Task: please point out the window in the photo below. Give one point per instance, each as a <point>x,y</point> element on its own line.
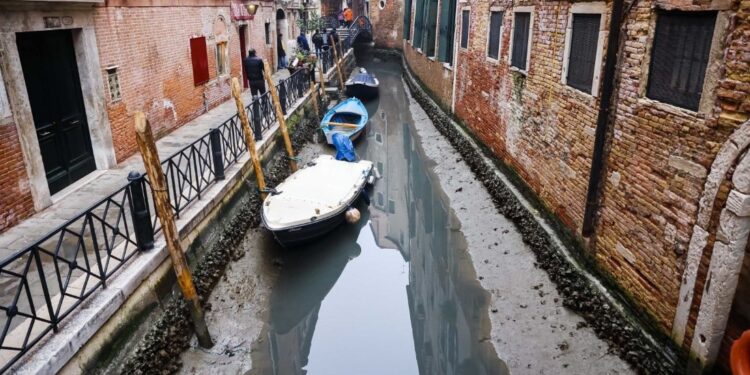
<point>199,56</point>
<point>584,45</point>
<point>418,18</point>
<point>520,44</point>
<point>222,66</point>
<point>428,45</point>
<point>407,19</point>
<point>680,56</point>
<point>465,29</point>
<point>4,106</point>
<point>447,30</point>
<point>496,26</point>
<point>113,82</point>
<point>268,33</point>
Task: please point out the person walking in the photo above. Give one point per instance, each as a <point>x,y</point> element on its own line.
<point>317,40</point>
<point>254,70</point>
<point>281,52</point>
<point>302,42</point>
<point>348,16</point>
<point>333,39</point>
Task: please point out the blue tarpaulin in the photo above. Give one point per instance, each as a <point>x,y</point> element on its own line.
<point>344,147</point>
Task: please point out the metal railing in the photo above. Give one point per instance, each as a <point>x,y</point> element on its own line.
<point>43,283</point>
<point>360,24</point>
<point>293,88</point>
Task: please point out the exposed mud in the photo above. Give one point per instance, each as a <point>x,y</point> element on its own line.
<point>624,338</point>
<point>159,351</point>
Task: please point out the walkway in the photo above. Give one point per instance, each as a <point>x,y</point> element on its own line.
<point>104,182</point>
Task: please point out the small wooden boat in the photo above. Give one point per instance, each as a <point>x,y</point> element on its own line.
<point>314,200</point>
<point>348,118</point>
<point>362,85</point>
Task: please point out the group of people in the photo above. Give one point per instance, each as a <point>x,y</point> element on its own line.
<point>321,41</point>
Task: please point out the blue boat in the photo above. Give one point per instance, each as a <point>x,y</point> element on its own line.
<point>347,118</point>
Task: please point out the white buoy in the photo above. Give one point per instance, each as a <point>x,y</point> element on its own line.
<point>352,215</point>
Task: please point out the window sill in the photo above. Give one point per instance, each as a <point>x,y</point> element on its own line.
<point>447,66</point>
<point>669,108</point>
<point>433,58</point>
<point>582,95</point>
<point>491,60</point>
<point>518,70</point>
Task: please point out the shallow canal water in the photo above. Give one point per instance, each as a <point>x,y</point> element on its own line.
<point>395,293</point>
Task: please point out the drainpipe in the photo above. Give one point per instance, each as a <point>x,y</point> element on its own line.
<point>605,119</point>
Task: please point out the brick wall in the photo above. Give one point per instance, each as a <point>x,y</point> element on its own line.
<point>16,201</point>
<point>151,48</point>
<point>387,23</point>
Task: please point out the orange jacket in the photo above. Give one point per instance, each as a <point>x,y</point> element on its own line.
<point>348,16</point>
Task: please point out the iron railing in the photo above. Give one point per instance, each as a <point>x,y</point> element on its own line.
<point>360,24</point>
<point>43,283</point>
<point>293,88</point>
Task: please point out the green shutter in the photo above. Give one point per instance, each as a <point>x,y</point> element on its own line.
<point>447,29</point>
<point>418,18</point>
<point>431,23</point>
<point>407,19</point>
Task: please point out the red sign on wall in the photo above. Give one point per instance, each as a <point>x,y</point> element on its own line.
<point>239,12</point>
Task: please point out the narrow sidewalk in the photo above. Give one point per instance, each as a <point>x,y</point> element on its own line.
<point>104,182</point>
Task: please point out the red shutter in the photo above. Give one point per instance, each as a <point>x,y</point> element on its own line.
<point>199,55</point>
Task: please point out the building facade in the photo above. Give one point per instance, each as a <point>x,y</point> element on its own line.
<point>527,79</point>
<point>73,72</point>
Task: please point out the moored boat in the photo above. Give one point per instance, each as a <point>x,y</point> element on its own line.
<point>314,200</point>
<point>362,85</point>
<point>348,118</point>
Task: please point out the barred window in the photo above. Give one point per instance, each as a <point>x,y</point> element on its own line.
<point>584,43</point>
<point>680,56</point>
<point>464,29</point>
<point>521,32</point>
<point>496,25</point>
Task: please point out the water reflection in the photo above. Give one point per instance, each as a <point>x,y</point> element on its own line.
<point>394,294</point>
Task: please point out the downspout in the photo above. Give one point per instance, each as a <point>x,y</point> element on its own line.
<point>605,119</point>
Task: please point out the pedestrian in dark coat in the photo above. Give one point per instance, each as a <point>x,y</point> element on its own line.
<point>254,70</point>
<point>317,40</point>
<point>281,52</point>
<point>302,42</point>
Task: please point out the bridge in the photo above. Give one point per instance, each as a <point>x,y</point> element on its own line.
<point>360,31</point>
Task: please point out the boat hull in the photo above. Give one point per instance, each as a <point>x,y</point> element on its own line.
<point>302,234</point>
<point>362,91</point>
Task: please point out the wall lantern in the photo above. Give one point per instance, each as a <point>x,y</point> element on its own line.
<point>251,8</point>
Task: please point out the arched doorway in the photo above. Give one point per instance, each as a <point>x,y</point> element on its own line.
<point>725,267</point>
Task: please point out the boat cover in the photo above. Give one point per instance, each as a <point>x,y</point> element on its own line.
<point>363,79</point>
<point>344,147</point>
<point>315,192</point>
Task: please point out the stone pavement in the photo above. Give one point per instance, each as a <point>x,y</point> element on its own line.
<point>105,182</point>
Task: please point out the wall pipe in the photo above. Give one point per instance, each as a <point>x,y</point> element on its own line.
<point>605,119</point>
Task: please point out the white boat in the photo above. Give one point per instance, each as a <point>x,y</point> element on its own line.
<point>312,201</point>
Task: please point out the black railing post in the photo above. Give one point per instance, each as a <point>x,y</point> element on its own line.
<point>95,246</point>
<point>216,153</point>
<point>45,291</point>
<point>144,230</point>
<point>257,126</point>
<point>282,96</point>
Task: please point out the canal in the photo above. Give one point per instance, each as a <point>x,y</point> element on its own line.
<point>431,280</point>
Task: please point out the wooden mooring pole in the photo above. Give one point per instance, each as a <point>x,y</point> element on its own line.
<point>322,79</point>
<point>249,137</point>
<point>158,182</point>
<point>338,65</point>
<point>280,116</point>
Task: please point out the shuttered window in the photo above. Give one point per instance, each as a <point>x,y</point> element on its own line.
<point>418,18</point>
<point>428,47</point>
<point>496,25</point>
<point>521,23</point>
<point>199,57</point>
<point>584,42</point>
<point>680,56</point>
<point>465,29</point>
<point>407,19</point>
<point>447,30</point>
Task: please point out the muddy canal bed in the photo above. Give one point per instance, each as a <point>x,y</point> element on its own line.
<point>432,280</point>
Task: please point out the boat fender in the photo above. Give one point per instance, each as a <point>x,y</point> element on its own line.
<point>376,172</point>
<point>739,356</point>
<point>352,215</point>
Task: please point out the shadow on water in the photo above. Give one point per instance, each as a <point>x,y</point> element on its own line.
<point>397,292</point>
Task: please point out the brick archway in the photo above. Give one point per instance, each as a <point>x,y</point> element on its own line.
<point>728,249</point>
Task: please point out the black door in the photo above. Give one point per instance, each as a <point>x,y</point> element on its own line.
<point>51,74</point>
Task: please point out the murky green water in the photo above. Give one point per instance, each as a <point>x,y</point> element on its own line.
<point>395,293</point>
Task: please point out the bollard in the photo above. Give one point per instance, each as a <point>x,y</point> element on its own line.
<point>216,154</point>
<point>282,96</point>
<point>142,226</point>
<point>257,130</point>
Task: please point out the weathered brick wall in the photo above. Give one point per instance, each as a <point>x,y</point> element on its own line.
<point>15,201</point>
<point>437,78</point>
<point>151,47</point>
<point>387,23</point>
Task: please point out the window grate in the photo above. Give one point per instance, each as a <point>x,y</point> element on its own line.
<point>465,29</point>
<point>113,82</point>
<point>582,56</point>
<point>682,43</point>
<point>521,39</point>
<point>496,24</point>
